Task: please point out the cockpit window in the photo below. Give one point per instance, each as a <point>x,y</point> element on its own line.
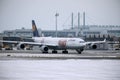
<point>82,42</point>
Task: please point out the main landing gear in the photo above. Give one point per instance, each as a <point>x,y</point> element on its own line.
<point>54,51</point>
<point>44,51</point>
<point>65,51</point>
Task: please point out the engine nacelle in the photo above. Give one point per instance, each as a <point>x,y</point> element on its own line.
<point>20,46</point>
<point>44,48</point>
<point>93,46</point>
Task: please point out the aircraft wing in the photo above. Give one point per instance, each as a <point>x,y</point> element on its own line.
<point>29,43</point>
<point>96,42</point>
<point>14,42</point>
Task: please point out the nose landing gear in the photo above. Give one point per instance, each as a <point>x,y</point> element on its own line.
<point>79,51</point>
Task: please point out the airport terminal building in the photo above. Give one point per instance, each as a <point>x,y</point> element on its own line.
<point>87,30</point>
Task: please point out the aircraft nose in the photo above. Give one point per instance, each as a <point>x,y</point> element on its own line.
<point>84,44</point>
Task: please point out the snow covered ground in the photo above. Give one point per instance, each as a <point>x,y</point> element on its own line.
<point>70,69</point>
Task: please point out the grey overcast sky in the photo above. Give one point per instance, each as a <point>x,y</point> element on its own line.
<point>15,14</point>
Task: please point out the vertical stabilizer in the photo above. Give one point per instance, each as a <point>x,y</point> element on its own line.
<point>34,29</point>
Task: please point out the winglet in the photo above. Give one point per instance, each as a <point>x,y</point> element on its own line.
<point>104,40</point>
<point>34,29</point>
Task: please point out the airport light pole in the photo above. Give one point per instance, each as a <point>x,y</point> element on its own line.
<point>56,15</point>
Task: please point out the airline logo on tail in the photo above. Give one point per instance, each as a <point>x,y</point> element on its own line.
<point>34,29</point>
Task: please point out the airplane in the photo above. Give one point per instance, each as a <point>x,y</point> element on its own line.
<point>55,43</point>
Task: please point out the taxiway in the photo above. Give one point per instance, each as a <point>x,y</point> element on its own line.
<point>87,54</point>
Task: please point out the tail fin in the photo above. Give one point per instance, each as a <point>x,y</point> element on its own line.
<point>34,29</point>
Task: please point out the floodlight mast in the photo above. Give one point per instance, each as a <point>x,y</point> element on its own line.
<point>56,15</point>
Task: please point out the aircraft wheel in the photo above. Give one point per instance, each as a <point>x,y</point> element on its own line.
<point>45,52</point>
<point>65,52</point>
<point>79,51</point>
<point>54,51</point>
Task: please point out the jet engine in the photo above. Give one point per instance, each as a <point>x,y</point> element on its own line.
<point>20,46</point>
<point>44,48</point>
<point>93,46</point>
